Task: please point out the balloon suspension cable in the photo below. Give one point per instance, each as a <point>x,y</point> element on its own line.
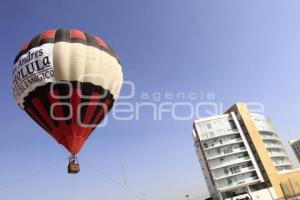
<point>74,188</point>
<point>73,167</point>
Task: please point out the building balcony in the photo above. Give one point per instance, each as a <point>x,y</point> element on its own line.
<point>277,154</point>
<point>284,168</point>
<point>230,163</point>
<point>274,145</point>
<point>243,171</point>
<point>228,133</point>
<point>265,129</point>
<point>232,142</point>
<point>270,137</point>
<point>240,183</point>
<point>281,164</point>
<point>234,151</point>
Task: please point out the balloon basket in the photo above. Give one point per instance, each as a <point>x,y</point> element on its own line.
<point>73,167</point>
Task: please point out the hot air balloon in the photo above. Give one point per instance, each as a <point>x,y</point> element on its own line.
<point>67,80</point>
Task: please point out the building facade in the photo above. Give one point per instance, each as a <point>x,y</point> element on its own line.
<point>240,153</point>
<point>272,143</point>
<point>295,144</point>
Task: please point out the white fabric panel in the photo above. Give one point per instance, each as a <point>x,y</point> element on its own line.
<point>61,60</point>
<point>33,69</point>
<point>65,61</point>
<point>75,61</point>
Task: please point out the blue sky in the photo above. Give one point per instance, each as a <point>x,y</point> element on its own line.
<point>240,50</point>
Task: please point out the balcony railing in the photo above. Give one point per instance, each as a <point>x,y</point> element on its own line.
<point>229,174</point>
<point>282,163</point>
<point>270,137</point>
<point>266,129</point>
<point>274,145</point>
<point>234,151</point>
<point>231,142</point>
<point>278,154</point>
<point>233,132</point>
<point>239,183</point>
<point>233,162</point>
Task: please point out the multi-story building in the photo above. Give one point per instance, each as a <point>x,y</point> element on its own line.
<point>295,144</point>
<point>240,153</point>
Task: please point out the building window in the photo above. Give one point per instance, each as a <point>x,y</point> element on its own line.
<point>232,124</point>
<point>208,125</point>
<point>235,169</point>
<point>229,181</point>
<point>211,134</point>
<point>225,170</point>
<point>228,150</point>
<point>253,174</point>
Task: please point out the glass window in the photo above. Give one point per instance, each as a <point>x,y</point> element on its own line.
<point>225,170</point>
<point>232,124</point>
<point>211,134</point>
<point>229,150</point>
<point>208,125</point>
<point>229,181</point>
<point>235,169</point>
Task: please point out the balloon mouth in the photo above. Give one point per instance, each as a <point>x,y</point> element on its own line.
<point>73,167</point>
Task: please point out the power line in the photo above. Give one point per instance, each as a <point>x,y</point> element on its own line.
<point>134,194</point>
<point>26,178</point>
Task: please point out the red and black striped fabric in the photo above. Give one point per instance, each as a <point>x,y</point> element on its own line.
<point>66,35</point>
<point>71,120</point>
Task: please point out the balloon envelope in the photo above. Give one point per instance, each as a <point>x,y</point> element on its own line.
<point>67,80</point>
